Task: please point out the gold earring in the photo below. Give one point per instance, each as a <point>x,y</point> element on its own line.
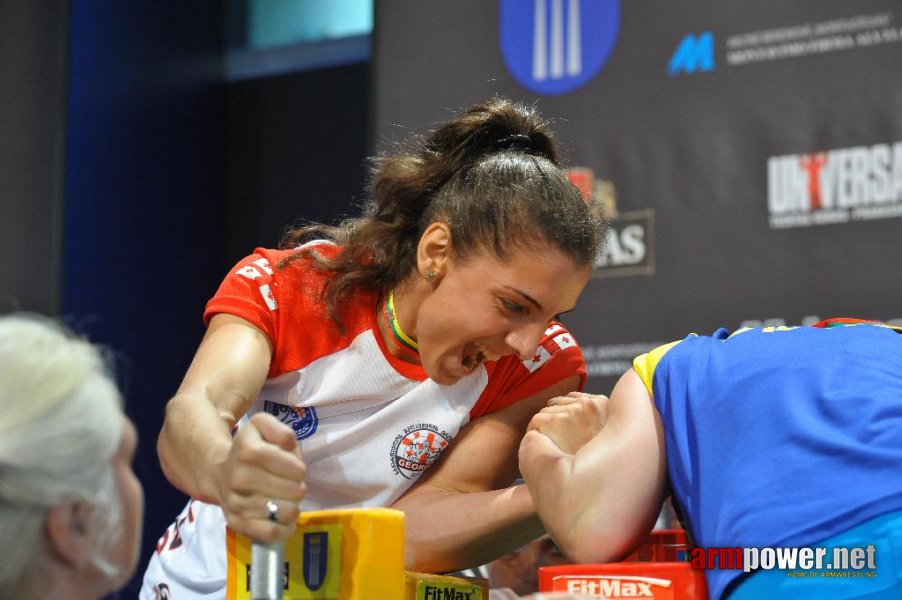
<point>430,275</point>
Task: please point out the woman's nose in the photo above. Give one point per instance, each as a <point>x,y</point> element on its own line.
<point>525,339</point>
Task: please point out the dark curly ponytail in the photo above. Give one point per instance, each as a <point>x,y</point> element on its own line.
<point>491,174</point>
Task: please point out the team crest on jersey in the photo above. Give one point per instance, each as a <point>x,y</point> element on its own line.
<point>302,420</point>
<point>414,450</point>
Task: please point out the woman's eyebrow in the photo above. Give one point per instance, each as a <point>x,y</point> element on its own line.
<point>526,296</point>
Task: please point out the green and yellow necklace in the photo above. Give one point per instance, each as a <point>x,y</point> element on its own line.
<point>402,338</point>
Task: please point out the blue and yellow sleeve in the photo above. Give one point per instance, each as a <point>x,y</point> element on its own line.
<point>645,364</point>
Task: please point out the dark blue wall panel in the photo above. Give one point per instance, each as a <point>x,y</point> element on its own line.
<point>144,178</point>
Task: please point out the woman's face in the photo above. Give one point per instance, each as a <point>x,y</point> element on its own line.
<point>483,308</point>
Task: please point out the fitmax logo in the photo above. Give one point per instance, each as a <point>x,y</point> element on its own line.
<point>695,53</point>
<point>445,593</point>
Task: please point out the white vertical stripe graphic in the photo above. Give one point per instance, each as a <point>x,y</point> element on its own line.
<point>557,39</point>
<point>315,564</point>
<point>539,45</point>
<point>557,52</point>
<point>574,39</point>
<point>268,297</point>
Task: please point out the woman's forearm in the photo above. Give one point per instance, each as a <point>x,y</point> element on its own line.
<point>225,377</point>
<point>557,496</point>
<point>448,530</point>
<point>193,443</point>
<point>600,501</point>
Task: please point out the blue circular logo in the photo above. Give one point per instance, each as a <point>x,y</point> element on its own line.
<point>301,419</point>
<point>556,46</point>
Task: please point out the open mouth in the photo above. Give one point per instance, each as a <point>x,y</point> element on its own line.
<point>472,360</point>
<point>473,355</point>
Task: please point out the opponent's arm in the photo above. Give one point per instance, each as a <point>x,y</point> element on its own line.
<point>461,514</point>
<point>197,452</point>
<point>599,501</point>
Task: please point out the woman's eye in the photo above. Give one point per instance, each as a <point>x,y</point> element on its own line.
<point>513,307</point>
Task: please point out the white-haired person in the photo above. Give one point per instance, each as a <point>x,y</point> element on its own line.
<point>70,505</point>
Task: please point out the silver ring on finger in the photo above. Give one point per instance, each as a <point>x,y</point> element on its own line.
<point>272,510</point>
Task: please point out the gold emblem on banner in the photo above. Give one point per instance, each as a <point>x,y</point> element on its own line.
<point>629,245</point>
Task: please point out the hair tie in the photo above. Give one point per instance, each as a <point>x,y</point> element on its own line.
<point>515,141</point>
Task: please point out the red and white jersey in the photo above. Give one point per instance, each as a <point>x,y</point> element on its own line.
<point>367,423</point>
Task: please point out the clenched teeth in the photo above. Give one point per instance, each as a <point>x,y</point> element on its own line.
<point>484,354</point>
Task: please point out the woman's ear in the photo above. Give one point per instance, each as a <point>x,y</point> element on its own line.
<point>434,251</point>
<point>67,534</point>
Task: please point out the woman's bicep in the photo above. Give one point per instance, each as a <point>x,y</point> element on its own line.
<point>230,366</point>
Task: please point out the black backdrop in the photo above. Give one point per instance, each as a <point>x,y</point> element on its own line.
<point>751,152</point>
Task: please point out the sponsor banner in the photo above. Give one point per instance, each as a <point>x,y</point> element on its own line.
<point>699,52</point>
<point>797,40</point>
<point>446,590</point>
<point>557,46</point>
<point>629,244</point>
<point>660,581</point>
<point>827,187</point>
<point>746,160</point>
<point>616,586</point>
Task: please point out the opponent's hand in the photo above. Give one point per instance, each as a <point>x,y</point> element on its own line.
<point>571,421</point>
<point>261,482</point>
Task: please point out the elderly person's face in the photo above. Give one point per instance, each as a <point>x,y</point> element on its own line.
<point>124,554</point>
